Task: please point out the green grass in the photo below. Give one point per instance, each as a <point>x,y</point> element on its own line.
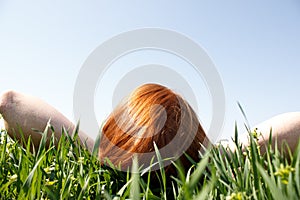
<point>69,171</point>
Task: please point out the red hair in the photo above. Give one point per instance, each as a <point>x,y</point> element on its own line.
<point>152,113</point>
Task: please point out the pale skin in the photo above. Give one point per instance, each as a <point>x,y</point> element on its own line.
<point>30,113</point>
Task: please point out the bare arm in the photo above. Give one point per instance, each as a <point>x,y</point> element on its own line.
<point>28,113</point>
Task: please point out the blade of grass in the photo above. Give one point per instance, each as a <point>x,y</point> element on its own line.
<point>28,182</point>
<point>135,176</point>
<point>162,170</point>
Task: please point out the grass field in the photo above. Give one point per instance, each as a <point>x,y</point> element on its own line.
<point>69,171</point>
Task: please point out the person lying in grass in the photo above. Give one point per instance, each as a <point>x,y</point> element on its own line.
<point>152,115</point>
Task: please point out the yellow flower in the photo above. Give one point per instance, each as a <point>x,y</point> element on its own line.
<point>284,172</point>
<point>235,196</point>
<point>255,134</point>
<point>49,183</point>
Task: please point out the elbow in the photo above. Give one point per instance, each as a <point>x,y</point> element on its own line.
<point>6,99</point>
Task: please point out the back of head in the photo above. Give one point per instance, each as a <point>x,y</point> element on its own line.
<point>152,114</point>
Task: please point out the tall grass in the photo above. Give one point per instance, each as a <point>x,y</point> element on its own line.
<point>69,171</point>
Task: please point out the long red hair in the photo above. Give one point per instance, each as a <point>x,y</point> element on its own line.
<point>152,114</point>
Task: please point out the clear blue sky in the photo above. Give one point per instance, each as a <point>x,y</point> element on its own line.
<point>254,44</point>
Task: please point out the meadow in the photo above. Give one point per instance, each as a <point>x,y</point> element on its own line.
<point>69,171</point>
